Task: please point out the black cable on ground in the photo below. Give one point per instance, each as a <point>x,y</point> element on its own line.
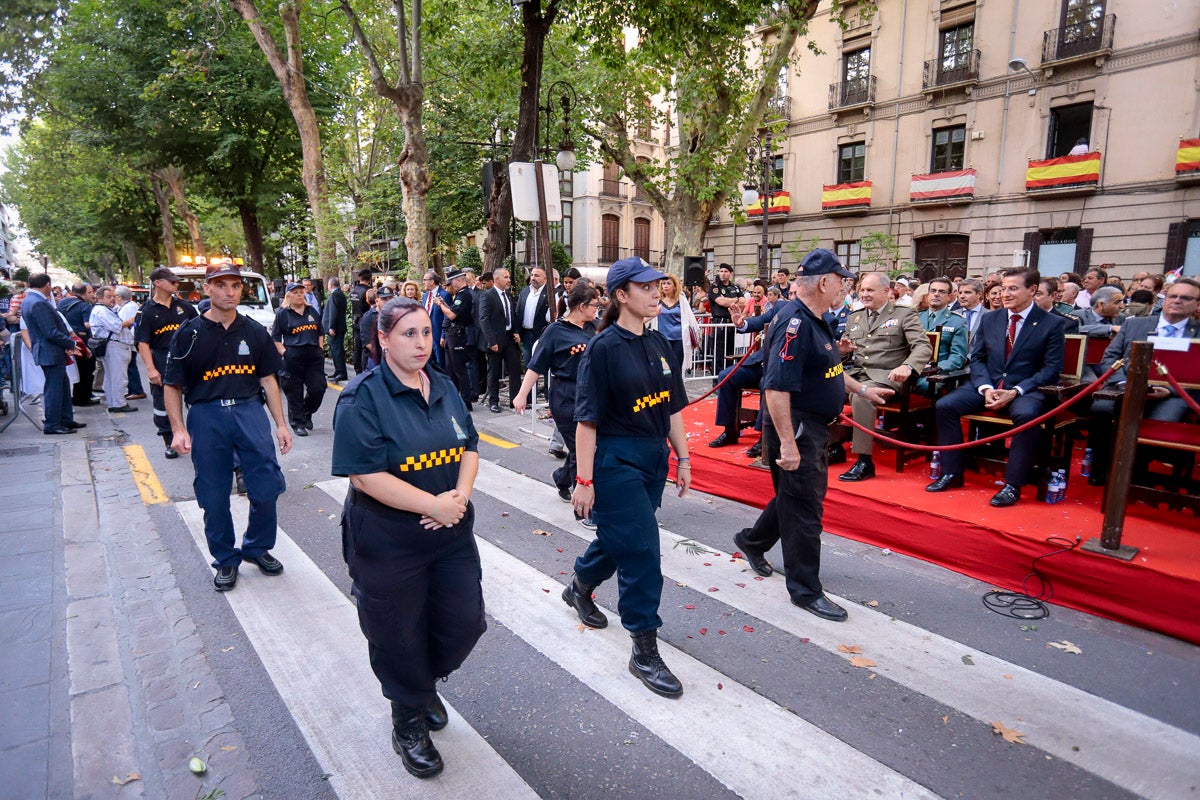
<point>1025,605</point>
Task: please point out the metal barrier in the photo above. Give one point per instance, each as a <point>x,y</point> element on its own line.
<point>703,366</point>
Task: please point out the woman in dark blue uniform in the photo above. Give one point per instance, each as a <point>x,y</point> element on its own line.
<point>559,351</point>
<point>297,335</point>
<point>629,400</point>
<point>403,436</point>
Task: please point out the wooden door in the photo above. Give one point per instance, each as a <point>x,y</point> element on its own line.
<point>942,257</point>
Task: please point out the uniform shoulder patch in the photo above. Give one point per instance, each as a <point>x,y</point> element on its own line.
<point>794,325</point>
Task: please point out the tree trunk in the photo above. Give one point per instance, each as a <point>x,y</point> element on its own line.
<point>173,177</point>
<point>415,183</point>
<point>253,234</point>
<point>289,71</point>
<point>131,257</point>
<point>687,223</point>
<point>170,255</point>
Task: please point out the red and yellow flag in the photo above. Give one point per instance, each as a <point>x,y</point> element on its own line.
<point>781,203</point>
<point>846,195</point>
<point>1053,173</point>
<point>1188,157</point>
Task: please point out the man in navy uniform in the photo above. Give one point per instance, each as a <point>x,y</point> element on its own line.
<point>223,364</point>
<point>157,321</point>
<point>804,386</point>
<point>298,338</point>
<point>459,314</point>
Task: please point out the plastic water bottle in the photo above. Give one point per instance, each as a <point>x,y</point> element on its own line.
<point>935,466</point>
<point>1062,485</point>
<point>1085,469</point>
<point>1052,488</point>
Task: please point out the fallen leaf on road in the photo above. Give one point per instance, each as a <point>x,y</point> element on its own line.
<point>970,662</point>
<point>740,585</point>
<point>547,591</point>
<point>946,720</point>
<point>229,748</point>
<point>862,661</point>
<point>541,532</point>
<point>703,631</point>
<point>197,766</point>
<point>849,648</point>
<point>1007,677</point>
<point>690,607</point>
<point>713,589</point>
<point>748,629</point>
<point>873,603</point>
<point>1066,647</point>
<point>226,649</point>
<point>130,778</point>
<point>758,577</point>
<point>1010,735</point>
<point>720,686</point>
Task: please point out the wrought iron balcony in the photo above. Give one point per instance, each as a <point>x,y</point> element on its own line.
<point>611,187</point>
<point>852,93</point>
<point>1079,40</point>
<point>779,107</point>
<point>940,76</point>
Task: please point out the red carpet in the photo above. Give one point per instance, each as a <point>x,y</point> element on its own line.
<point>958,530</point>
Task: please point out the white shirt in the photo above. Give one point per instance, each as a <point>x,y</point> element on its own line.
<point>1177,328</point>
<point>1021,317</point>
<point>505,305</point>
<point>105,323</point>
<point>531,306</point>
<point>127,312</point>
<point>1083,299</point>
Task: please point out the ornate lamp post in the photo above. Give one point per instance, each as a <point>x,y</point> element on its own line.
<point>567,99</point>
<point>760,160</point>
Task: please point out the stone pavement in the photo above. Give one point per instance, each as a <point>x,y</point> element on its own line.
<point>104,686</point>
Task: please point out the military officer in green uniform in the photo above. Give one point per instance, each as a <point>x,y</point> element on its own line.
<point>952,349</point>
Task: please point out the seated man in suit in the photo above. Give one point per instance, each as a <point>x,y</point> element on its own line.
<point>1047,290</point>
<point>952,351</point>
<point>887,346</point>
<point>1177,320</point>
<point>1104,318</point>
<point>1016,350</point>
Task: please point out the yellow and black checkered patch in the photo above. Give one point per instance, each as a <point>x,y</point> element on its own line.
<point>435,458</point>
<point>229,369</point>
<point>577,349</point>
<point>312,326</point>
<point>651,400</point>
<point>174,326</point>
<point>834,371</point>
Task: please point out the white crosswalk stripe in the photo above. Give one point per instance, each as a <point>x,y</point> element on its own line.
<point>335,699</point>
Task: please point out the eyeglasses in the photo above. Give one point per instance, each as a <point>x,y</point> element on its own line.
<point>1184,297</point>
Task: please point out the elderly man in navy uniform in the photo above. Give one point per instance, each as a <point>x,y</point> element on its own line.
<point>223,364</point>
<point>459,313</point>
<point>805,387</point>
<point>157,321</point>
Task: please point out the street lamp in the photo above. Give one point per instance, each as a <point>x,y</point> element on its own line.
<point>759,168</point>
<point>567,99</point>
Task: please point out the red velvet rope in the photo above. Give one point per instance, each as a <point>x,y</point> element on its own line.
<point>1179,390</point>
<point>925,448</point>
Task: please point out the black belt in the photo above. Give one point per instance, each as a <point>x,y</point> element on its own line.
<point>229,401</point>
<point>454,328</point>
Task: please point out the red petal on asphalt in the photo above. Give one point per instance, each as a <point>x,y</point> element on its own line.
<point>758,577</point>
<point>707,564</point>
<point>703,631</point>
<point>803,640</point>
<point>735,555</point>
<point>559,549</point>
<point>547,591</point>
<point>690,607</point>
<point>720,633</point>
<point>720,686</point>
<point>742,585</point>
<point>747,629</point>
<point>504,513</point>
<point>713,589</point>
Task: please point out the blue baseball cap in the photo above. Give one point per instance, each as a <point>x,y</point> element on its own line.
<point>630,270</point>
<point>291,287</point>
<point>822,262</point>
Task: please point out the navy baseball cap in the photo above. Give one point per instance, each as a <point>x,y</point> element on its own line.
<point>384,292</point>
<point>629,270</point>
<point>291,287</point>
<point>224,270</point>
<point>822,262</point>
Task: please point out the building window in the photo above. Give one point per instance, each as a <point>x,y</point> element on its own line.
<point>1056,253</point>
<point>610,184</point>
<point>852,162</point>
<point>955,52</point>
<point>949,145</point>
<point>776,173</point>
<point>561,232</point>
<point>1082,20</point>
<point>849,253</point>
<point>1068,124</point>
<point>610,238</point>
<point>856,76</point>
<point>1191,252</point>
<point>710,260</point>
<point>641,238</point>
<point>774,258</point>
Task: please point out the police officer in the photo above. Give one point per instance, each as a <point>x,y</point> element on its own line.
<point>459,315</point>
<point>629,399</point>
<point>298,337</point>
<point>157,321</point>
<point>804,387</point>
<point>359,305</point>
<point>403,436</point>
<point>722,296</point>
<point>223,363</point>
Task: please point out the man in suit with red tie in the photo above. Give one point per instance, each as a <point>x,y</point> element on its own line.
<point>1017,350</point>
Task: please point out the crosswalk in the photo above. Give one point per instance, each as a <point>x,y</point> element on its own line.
<point>732,732</point>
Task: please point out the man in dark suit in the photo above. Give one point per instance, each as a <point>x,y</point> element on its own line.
<point>1176,321</point>
<point>497,323</point>
<point>52,343</point>
<point>1016,350</point>
<point>77,308</point>
<point>333,320</point>
<point>532,307</point>
<point>358,307</point>
<point>429,298</point>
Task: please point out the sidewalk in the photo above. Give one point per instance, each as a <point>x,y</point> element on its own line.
<point>104,687</point>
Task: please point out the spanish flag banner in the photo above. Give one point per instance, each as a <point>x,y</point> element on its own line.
<point>1188,158</point>
<point>781,203</point>
<point>846,195</point>
<point>1054,173</point>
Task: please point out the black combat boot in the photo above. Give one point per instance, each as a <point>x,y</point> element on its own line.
<point>648,666</point>
<point>410,739</point>
<point>435,714</point>
<point>579,597</point>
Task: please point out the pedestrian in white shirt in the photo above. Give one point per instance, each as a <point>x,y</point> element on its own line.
<point>106,323</point>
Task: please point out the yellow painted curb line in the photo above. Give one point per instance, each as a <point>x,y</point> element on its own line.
<point>144,476</point>
<point>498,442</point>
<point>334,386</point>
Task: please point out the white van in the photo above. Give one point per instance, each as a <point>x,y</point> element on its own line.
<point>256,295</point>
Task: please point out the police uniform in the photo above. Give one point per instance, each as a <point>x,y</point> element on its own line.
<point>801,358</point>
<point>303,376</point>
<point>219,370</point>
<point>459,354</point>
<point>155,326</point>
<point>723,335</point>
<point>358,307</point>
<point>628,388</point>
<point>559,352</point>
<point>420,602</point>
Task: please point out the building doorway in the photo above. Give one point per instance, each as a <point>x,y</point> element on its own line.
<point>942,257</point>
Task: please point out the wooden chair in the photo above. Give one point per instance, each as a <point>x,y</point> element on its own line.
<point>908,416</point>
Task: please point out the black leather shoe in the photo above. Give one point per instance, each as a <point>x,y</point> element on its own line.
<point>945,482</point>
<point>825,608</point>
<point>170,452</point>
<point>564,494</point>
<point>268,563</point>
<point>861,470</point>
<point>308,424</point>
<point>755,450</point>
<point>647,666</point>
<point>579,597</point>
<point>726,438</point>
<point>494,408</point>
<point>1007,496</point>
<point>435,714</point>
<point>73,425</point>
<point>300,430</point>
<point>56,430</point>
<point>755,558</point>
<point>410,740</point>
<point>837,455</point>
<point>558,452</point>
<point>125,409</point>
<point>226,578</point>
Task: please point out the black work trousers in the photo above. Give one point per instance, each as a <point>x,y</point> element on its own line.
<point>162,424</point>
<point>507,359</point>
<point>337,353</point>
<point>562,410</point>
<point>81,394</point>
<point>359,356</point>
<point>458,356</point>
<point>794,514</point>
<point>418,592</point>
<point>303,381</point>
